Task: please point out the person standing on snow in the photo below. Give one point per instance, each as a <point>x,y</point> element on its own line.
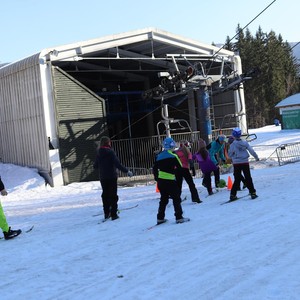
<point>7,231</point>
<point>164,170</point>
<point>107,163</point>
<point>229,160</point>
<point>239,153</point>
<point>206,165</point>
<point>216,153</point>
<point>185,157</point>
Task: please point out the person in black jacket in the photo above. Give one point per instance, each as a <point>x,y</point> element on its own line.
<point>164,171</point>
<point>107,163</point>
<point>7,231</point>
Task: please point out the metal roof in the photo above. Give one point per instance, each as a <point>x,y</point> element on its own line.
<point>133,56</point>
<point>136,56</point>
<point>289,101</point>
<point>149,42</point>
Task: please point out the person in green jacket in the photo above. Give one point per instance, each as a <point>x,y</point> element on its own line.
<point>7,231</point>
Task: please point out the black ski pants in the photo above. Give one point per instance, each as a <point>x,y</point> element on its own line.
<point>237,173</point>
<point>109,197</point>
<point>184,173</point>
<point>169,189</point>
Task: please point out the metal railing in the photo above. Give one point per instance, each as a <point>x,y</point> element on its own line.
<point>288,153</point>
<point>138,154</point>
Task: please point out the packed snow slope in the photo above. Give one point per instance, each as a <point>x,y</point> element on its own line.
<point>248,249</point>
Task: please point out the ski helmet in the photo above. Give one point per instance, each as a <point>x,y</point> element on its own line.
<point>169,143</point>
<point>236,132</point>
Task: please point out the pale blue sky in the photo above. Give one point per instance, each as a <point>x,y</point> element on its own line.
<point>29,26</point>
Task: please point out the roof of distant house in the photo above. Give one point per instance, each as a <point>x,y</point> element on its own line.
<point>290,101</point>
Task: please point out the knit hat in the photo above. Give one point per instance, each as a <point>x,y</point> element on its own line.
<point>104,141</point>
<point>201,143</point>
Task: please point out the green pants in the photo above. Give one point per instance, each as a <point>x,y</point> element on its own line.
<point>3,223</point>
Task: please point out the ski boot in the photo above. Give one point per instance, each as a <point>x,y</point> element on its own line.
<point>10,234</point>
<point>182,220</point>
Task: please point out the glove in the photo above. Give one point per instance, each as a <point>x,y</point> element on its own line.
<point>129,173</point>
<point>257,159</point>
<point>4,192</point>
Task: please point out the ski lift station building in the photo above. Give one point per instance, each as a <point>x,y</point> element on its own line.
<point>56,104</point>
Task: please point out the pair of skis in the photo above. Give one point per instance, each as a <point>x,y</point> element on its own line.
<point>238,198</point>
<point>165,221</point>
<point>126,208</point>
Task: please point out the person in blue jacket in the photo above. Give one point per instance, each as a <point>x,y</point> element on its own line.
<point>216,153</point>
<point>107,163</point>
<point>164,171</point>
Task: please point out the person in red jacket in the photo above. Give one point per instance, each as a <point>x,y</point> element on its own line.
<point>7,231</point>
<point>185,157</point>
<point>107,163</point>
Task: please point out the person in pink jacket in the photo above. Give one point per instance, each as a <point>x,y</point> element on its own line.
<point>185,157</point>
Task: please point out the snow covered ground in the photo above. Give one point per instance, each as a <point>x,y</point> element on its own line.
<point>248,249</point>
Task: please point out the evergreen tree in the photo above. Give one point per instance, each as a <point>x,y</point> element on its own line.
<point>278,77</point>
<point>228,44</point>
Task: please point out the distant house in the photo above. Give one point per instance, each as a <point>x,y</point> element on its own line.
<point>289,109</point>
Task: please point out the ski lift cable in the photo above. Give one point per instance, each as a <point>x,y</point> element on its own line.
<point>244,28</point>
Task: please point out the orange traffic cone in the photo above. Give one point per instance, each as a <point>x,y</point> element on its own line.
<point>157,189</point>
<point>229,183</point>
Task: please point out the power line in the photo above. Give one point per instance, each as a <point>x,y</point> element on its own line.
<point>244,28</point>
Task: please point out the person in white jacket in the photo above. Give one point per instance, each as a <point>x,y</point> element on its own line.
<point>239,153</point>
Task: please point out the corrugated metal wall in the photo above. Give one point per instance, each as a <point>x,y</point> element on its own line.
<point>23,139</point>
<point>81,122</point>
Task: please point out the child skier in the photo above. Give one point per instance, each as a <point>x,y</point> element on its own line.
<point>206,165</point>
<point>185,157</point>
<point>229,160</point>
<point>216,153</point>
<point>239,153</point>
<point>164,170</point>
